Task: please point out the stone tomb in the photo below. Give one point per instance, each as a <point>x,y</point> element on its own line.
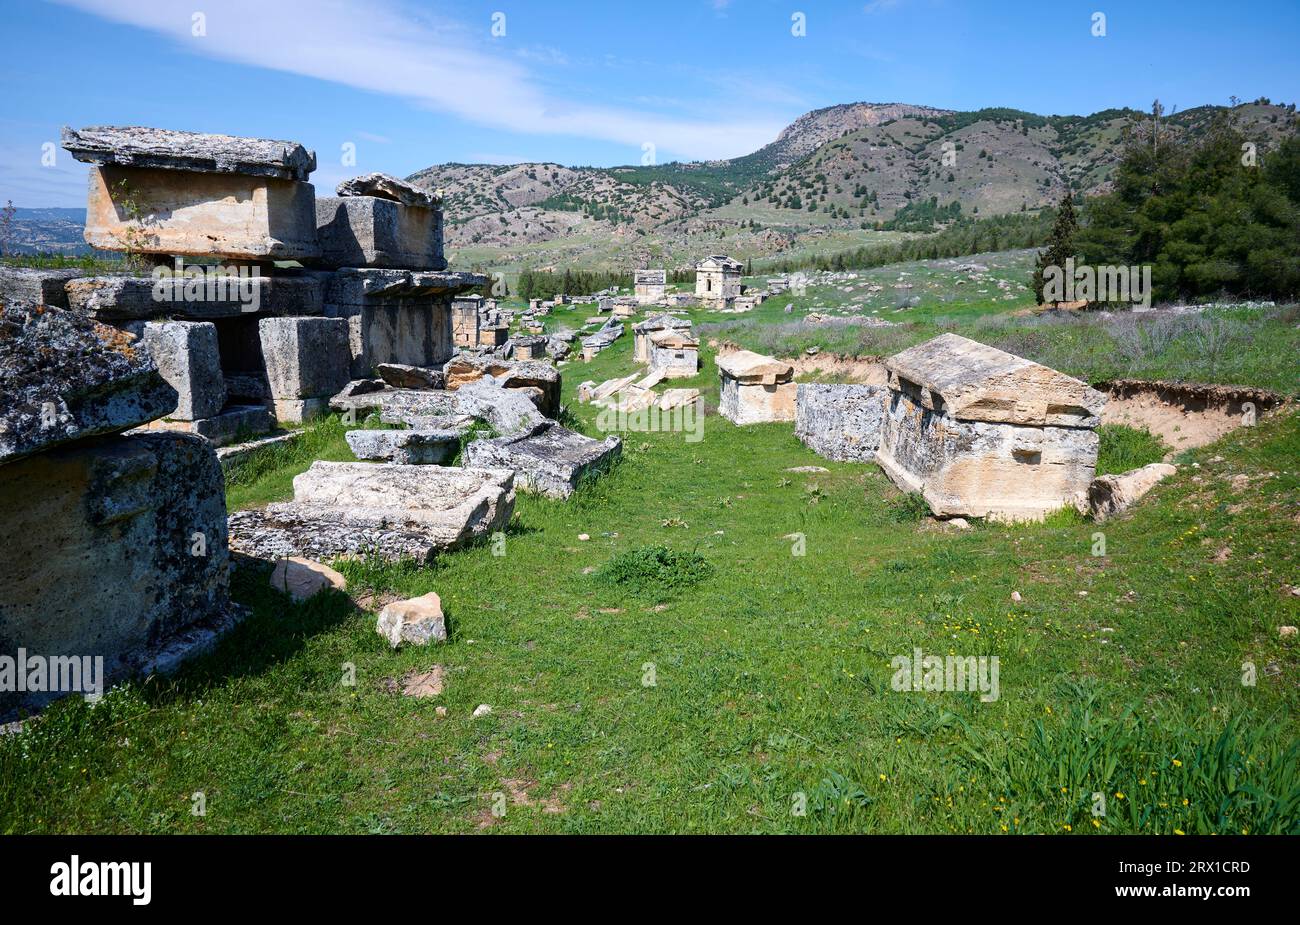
<point>717,279</point>
<point>755,389</point>
<point>648,286</point>
<point>157,191</point>
<point>984,433</point>
<point>675,353</point>
<point>641,332</point>
<point>380,221</point>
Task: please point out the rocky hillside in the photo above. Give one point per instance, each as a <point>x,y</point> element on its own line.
<point>858,165</point>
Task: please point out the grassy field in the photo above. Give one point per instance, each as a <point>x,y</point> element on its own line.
<point>752,695</point>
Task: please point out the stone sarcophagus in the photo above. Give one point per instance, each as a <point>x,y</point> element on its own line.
<point>642,332</point>
<point>984,433</point>
<point>755,389</point>
<point>157,191</point>
<point>675,353</point>
<point>649,285</point>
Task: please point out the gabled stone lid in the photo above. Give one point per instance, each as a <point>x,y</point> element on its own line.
<point>750,367</point>
<point>674,338</point>
<point>719,262</point>
<point>385,186</point>
<point>971,381</point>
<point>165,149</point>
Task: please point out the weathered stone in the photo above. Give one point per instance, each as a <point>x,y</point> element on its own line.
<point>28,285</point>
<point>840,422</point>
<point>393,511</point>
<point>120,297</point>
<point>531,347</point>
<point>64,377</point>
<point>113,547</point>
<point>676,398</point>
<point>755,389</point>
<point>235,455</point>
<point>138,146</point>
<point>675,353</point>
<point>303,578</point>
<point>418,621</point>
<point>470,367</point>
<point>386,186</point>
<point>404,376</point>
<point>1112,494</point>
<point>365,231</point>
<point>543,377</point>
<point>405,447</point>
<point>957,430</point>
<point>235,423</point>
<point>549,459</point>
<point>509,411</point>
<point>307,362</point>
<point>649,285</point>
<point>230,215</point>
<point>185,352</point>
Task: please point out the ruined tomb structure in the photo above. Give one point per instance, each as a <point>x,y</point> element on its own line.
<point>755,389</point>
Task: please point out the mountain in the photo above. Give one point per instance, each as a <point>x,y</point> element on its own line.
<point>831,171</point>
<point>31,231</point>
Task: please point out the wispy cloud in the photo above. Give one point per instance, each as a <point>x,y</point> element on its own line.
<point>881,6</point>
<point>440,65</point>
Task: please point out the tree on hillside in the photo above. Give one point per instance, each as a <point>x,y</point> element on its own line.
<point>1060,244</point>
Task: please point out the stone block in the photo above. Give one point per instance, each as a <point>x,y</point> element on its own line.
<point>1113,494</point>
<point>34,286</point>
<point>675,353</point>
<point>306,358</point>
<point>755,389</point>
<point>165,149</point>
<point>186,354</point>
<point>366,231</point>
<point>393,511</point>
<point>405,447</point>
<point>840,422</point>
<point>64,377</point>
<point>120,297</point>
<point>548,459</point>
<point>233,424</point>
<point>113,548</point>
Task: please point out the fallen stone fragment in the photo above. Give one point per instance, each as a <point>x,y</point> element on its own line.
<point>1287,632</point>
<point>677,398</point>
<point>385,186</point>
<point>405,447</point>
<point>509,411</point>
<point>1112,494</point>
<point>550,459</point>
<point>402,376</point>
<point>482,709</point>
<point>302,578</point>
<point>66,377</point>
<point>418,621</point>
<point>392,511</point>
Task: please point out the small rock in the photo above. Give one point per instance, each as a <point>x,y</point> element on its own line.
<point>584,537</point>
<point>441,711</point>
<point>418,621</point>
<point>302,578</point>
<point>961,523</point>
<point>1286,632</point>
<point>482,710</point>
<point>1015,596</point>
<point>807,469</point>
<point>1083,594</point>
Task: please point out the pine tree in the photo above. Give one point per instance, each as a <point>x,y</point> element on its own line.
<point>1060,244</point>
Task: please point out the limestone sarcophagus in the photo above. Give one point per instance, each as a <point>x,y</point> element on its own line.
<point>756,389</point>
<point>643,330</point>
<point>380,221</point>
<point>984,433</point>
<point>675,352</point>
<point>165,192</point>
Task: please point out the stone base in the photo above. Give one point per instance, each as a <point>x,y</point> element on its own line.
<point>840,422</point>
<point>550,460</point>
<point>237,422</point>
<point>405,447</point>
<point>756,403</point>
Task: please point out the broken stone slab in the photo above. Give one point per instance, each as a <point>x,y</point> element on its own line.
<point>233,456</point>
<point>165,149</point>
<point>970,381</point>
<point>470,367</point>
<point>229,215</point>
<point>677,398</point>
<point>404,376</point>
<point>652,379</point>
<point>113,547</point>
<point>64,377</point>
<point>405,447</point>
<point>29,285</point>
<point>392,511</point>
<point>366,231</point>
<point>304,578</point>
<point>418,621</point>
<point>543,377</point>
<point>121,297</point>
<point>1113,494</point>
<point>235,423</point>
<point>755,389</point>
<point>386,186</point>
<point>840,422</point>
<point>550,459</point>
<point>508,411</point>
<point>186,355</point>
<point>612,387</point>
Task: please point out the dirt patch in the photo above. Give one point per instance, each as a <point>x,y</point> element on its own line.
<point>868,370</point>
<point>1184,415</point>
<point>418,683</point>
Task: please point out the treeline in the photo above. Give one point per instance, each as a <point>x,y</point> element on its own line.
<point>1211,215</point>
<point>967,236</point>
<point>546,284</point>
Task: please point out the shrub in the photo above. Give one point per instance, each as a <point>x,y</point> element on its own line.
<point>655,570</point>
<point>1122,448</point>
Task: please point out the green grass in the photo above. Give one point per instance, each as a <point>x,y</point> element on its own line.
<point>1121,448</point>
<point>761,687</point>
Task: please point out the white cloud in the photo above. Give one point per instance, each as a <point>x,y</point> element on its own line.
<point>377,46</point>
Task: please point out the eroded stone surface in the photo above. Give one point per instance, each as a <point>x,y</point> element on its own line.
<point>1113,494</point>
<point>418,621</point>
<point>840,422</point>
<point>140,146</point>
<point>187,357</point>
<point>406,447</point>
<point>64,377</point>
<point>303,578</point>
<point>550,459</point>
<point>386,186</point>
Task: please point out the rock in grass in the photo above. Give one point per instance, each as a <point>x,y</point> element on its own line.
<point>417,621</point>
<point>1112,494</point>
<point>302,578</point>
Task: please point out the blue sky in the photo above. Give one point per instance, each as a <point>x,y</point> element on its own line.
<point>411,83</point>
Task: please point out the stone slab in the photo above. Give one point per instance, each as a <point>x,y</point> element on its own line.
<point>365,231</point>
<point>166,149</point>
<point>840,422</point>
<point>406,447</point>
<point>550,459</point>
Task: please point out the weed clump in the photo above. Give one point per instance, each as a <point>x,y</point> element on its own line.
<point>655,570</point>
